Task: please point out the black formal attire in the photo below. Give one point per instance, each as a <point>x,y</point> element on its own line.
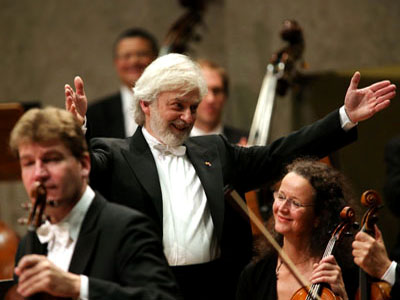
<point>118,250</point>
<point>105,117</point>
<point>392,185</point>
<point>125,172</point>
<point>258,280</point>
<point>233,134</point>
<point>395,292</point>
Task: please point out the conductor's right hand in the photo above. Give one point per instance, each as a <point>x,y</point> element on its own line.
<point>76,100</point>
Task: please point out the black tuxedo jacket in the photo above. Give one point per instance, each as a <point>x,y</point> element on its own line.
<point>395,292</point>
<point>118,250</point>
<point>124,171</point>
<point>233,135</point>
<point>392,185</point>
<point>392,181</point>
<point>105,117</point>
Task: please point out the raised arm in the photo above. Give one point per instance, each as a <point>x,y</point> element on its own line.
<point>76,100</point>
<point>361,104</point>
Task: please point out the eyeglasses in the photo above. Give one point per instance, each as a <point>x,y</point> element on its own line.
<point>137,54</point>
<point>280,197</point>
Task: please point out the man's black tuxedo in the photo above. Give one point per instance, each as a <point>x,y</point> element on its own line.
<point>105,117</point>
<point>124,170</point>
<point>395,292</point>
<point>233,135</point>
<point>392,185</point>
<point>118,250</point>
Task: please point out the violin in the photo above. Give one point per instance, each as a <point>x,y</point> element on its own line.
<point>8,247</point>
<point>34,221</point>
<point>318,289</point>
<point>370,288</point>
<point>240,204</point>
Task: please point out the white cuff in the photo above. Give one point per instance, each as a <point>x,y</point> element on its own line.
<point>84,127</point>
<point>84,292</point>
<point>345,121</point>
<point>390,274</point>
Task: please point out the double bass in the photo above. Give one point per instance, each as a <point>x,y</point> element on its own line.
<point>280,74</point>
<point>182,31</point>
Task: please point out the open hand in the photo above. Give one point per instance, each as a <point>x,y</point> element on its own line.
<point>76,100</point>
<point>361,104</point>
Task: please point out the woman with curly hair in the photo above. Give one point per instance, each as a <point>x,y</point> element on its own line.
<point>306,209</point>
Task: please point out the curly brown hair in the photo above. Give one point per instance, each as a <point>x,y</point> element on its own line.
<point>332,192</point>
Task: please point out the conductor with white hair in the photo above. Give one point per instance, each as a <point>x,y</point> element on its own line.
<point>179,180</point>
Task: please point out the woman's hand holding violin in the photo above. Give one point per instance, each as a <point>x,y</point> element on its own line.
<point>328,271</point>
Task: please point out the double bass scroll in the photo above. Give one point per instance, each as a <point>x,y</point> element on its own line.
<point>182,31</point>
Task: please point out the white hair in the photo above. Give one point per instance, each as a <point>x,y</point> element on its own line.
<point>171,72</point>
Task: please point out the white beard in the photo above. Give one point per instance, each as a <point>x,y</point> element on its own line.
<point>162,131</point>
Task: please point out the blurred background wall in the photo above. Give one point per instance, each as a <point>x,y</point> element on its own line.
<point>45,43</point>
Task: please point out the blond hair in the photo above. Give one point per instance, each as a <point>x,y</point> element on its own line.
<point>49,124</point>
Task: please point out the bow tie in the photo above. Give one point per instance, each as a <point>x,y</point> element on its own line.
<point>170,150</point>
<point>54,234</point>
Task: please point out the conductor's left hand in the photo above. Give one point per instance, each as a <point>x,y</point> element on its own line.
<point>361,104</point>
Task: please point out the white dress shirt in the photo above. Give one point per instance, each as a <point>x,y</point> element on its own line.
<point>128,110</point>
<point>390,274</point>
<point>188,229</point>
<point>197,131</point>
<point>60,253</point>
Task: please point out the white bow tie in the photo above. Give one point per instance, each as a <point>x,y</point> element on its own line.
<point>54,234</point>
<point>169,150</point>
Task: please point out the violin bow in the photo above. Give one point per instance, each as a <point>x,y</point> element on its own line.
<point>291,266</point>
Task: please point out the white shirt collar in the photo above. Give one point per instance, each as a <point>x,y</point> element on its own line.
<point>78,212</point>
<point>151,140</point>
<point>128,110</point>
<point>197,131</point>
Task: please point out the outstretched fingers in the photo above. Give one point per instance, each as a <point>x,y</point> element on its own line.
<point>78,82</point>
<point>355,80</point>
<point>379,85</point>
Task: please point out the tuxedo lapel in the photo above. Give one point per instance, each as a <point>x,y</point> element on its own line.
<point>33,245</point>
<point>208,168</point>
<point>86,243</point>
<point>141,162</point>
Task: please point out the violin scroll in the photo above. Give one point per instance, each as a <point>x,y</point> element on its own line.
<point>36,215</point>
<point>371,198</point>
<point>347,214</point>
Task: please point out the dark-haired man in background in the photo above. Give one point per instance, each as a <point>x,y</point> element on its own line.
<point>134,49</point>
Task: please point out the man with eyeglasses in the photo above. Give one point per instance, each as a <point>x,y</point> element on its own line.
<point>134,49</point>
